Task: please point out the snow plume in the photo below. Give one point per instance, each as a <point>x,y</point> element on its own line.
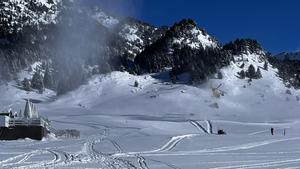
<point>86,44</point>
<point>79,43</point>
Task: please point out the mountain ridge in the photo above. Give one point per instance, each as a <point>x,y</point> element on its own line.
<point>69,48</point>
<point>289,55</point>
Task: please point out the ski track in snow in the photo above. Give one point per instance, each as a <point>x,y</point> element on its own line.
<point>190,104</point>
<point>164,163</point>
<point>264,164</point>
<point>258,132</point>
<point>116,145</point>
<point>142,162</point>
<point>247,146</point>
<point>198,126</point>
<point>175,140</point>
<point>109,162</point>
<point>59,157</point>
<point>171,144</point>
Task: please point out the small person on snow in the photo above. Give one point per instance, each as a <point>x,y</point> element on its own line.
<point>272,131</point>
<point>11,115</point>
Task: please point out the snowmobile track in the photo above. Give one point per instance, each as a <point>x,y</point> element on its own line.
<point>167,164</point>
<point>264,164</point>
<point>116,145</point>
<point>97,156</point>
<point>142,162</point>
<point>172,143</point>
<point>198,126</point>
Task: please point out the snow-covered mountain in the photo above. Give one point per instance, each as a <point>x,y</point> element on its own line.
<point>60,34</point>
<point>187,33</point>
<point>143,96</point>
<point>183,46</point>
<point>289,56</point>
<point>145,121</point>
<point>56,32</point>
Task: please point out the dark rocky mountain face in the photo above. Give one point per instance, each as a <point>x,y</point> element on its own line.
<point>185,49</point>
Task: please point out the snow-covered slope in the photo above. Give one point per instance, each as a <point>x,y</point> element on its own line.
<point>129,121</point>
<point>267,98</point>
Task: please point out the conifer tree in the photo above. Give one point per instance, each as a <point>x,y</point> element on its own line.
<point>37,81</point>
<point>258,73</point>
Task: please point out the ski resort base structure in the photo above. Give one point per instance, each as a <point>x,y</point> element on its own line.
<point>15,126</point>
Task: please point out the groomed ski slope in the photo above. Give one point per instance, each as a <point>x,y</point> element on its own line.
<point>159,125</point>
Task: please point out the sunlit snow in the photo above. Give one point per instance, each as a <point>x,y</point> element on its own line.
<point>162,125</point>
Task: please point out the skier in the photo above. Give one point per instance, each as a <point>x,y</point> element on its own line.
<point>11,114</point>
<point>272,131</point>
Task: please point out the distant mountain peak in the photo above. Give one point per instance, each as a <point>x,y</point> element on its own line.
<point>184,24</point>
<point>30,31</point>
<point>289,55</point>
<point>187,33</point>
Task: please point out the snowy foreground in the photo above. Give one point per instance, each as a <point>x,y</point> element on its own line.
<point>158,125</point>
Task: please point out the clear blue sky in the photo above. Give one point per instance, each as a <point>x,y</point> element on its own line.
<point>274,23</point>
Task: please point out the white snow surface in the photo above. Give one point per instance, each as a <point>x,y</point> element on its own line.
<point>196,39</point>
<point>105,20</point>
<point>130,34</point>
<point>161,125</point>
